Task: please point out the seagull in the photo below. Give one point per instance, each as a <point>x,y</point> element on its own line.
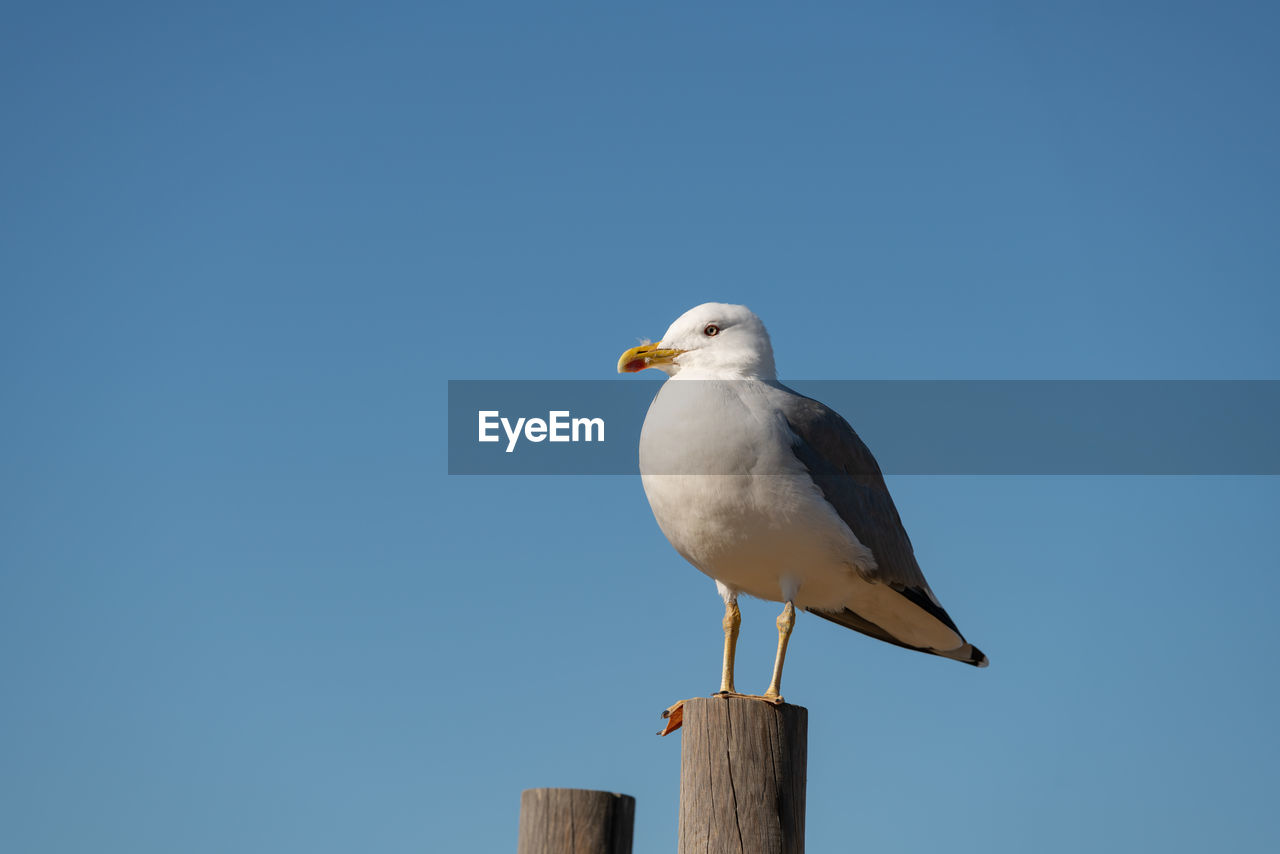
<point>773,495</point>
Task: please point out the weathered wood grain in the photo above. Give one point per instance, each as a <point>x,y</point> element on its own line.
<point>742,777</point>
<point>575,821</point>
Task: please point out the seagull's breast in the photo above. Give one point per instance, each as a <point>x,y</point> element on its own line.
<point>727,491</point>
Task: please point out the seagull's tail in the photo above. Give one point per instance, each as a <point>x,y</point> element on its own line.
<point>968,653</point>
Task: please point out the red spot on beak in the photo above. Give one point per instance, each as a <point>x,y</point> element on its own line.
<point>635,365</point>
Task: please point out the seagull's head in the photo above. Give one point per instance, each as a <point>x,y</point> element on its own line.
<point>711,341</point>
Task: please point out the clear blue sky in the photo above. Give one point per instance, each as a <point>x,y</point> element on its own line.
<point>243,608</point>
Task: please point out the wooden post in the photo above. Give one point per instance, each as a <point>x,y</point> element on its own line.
<point>575,821</point>
<point>742,776</point>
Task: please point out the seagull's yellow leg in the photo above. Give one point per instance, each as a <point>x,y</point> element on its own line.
<point>732,620</point>
<point>786,622</point>
<point>674,715</point>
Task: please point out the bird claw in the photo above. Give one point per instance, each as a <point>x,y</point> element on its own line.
<point>674,717</point>
<point>674,714</point>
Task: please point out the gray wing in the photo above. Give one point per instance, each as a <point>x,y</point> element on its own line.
<point>850,478</point>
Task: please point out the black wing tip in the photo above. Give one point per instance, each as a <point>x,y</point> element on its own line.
<point>976,657</point>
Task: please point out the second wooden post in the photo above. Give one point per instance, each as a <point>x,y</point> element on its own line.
<point>575,821</point>
<point>742,776</point>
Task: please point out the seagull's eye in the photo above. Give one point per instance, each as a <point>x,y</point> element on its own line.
<point>711,330</point>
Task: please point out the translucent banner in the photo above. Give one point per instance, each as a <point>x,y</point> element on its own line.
<point>1074,427</point>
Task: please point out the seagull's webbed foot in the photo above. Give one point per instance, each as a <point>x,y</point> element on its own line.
<point>776,699</point>
<point>674,714</point>
<point>674,717</point>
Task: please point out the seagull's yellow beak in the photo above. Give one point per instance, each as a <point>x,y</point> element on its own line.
<point>645,356</point>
